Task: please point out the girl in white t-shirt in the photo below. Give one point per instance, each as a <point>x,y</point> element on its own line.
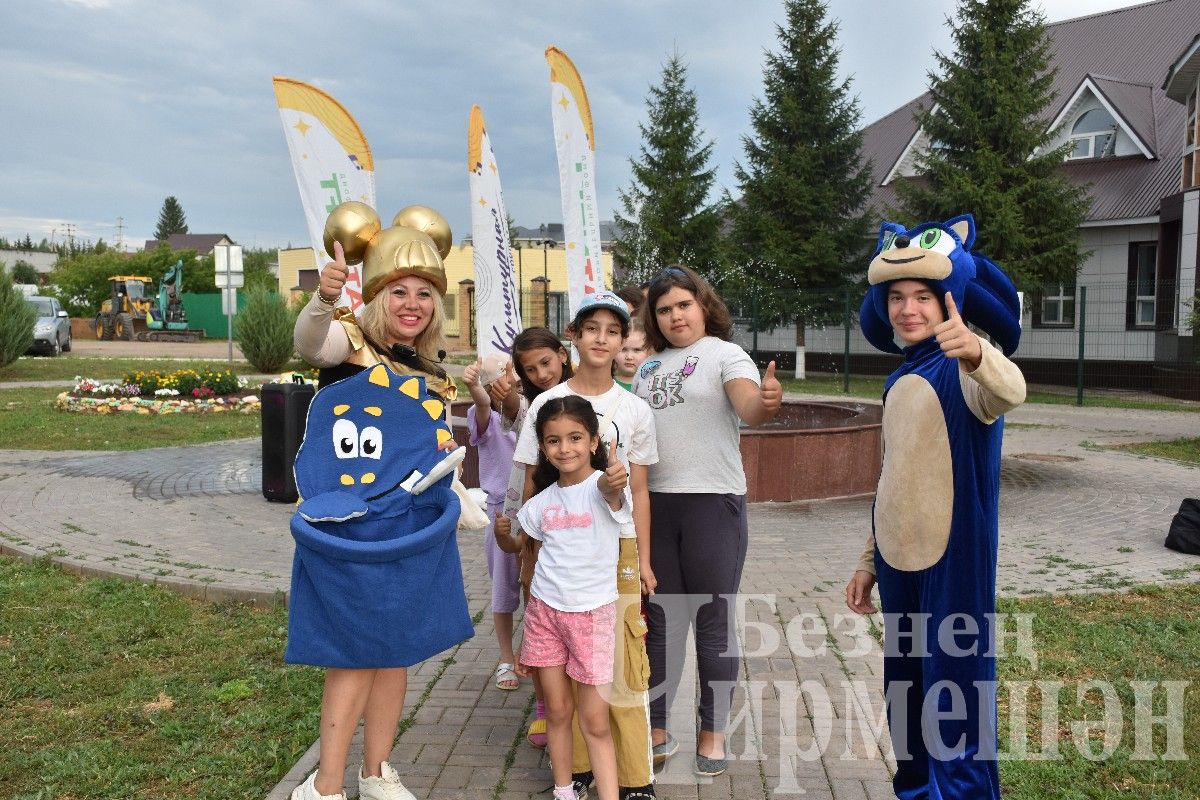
<point>570,618</point>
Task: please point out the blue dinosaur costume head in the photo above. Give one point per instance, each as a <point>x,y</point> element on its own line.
<point>369,439</point>
<point>939,254</point>
<point>376,579</point>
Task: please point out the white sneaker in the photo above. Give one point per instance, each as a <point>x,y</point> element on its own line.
<point>308,791</point>
<point>386,787</point>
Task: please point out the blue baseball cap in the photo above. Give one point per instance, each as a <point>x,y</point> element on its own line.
<point>606,300</point>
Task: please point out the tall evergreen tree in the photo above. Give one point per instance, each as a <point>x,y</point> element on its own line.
<point>990,155</point>
<point>800,231</point>
<point>666,216</point>
<point>170,219</point>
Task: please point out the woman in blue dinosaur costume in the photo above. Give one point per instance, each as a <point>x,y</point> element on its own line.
<point>371,550</point>
<point>375,540</point>
<point>935,521</point>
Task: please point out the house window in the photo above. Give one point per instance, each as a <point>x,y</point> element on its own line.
<point>1093,135</point>
<point>450,303</point>
<point>1191,164</point>
<point>1058,305</point>
<point>1143,262</point>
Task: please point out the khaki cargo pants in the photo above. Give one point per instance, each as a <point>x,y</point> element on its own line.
<point>629,704</point>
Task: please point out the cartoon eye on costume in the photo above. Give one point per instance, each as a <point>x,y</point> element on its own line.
<point>936,240</point>
<point>345,439</point>
<point>889,241</point>
<point>371,442</point>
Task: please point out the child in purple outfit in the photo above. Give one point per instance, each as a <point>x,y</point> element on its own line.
<point>495,446</point>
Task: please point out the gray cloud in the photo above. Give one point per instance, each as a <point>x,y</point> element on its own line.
<point>113,105</point>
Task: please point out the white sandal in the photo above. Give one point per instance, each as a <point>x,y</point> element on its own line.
<point>505,674</point>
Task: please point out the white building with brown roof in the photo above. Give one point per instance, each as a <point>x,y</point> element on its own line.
<point>1125,100</point>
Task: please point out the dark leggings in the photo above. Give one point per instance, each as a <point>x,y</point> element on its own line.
<point>697,551</point>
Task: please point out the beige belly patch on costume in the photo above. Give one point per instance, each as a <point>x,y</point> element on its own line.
<point>915,501</point>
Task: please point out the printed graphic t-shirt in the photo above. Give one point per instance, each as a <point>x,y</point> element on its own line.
<point>696,424</point>
<point>577,566</point>
<point>629,421</point>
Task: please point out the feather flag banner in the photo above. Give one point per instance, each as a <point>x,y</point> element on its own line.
<point>575,142</point>
<point>332,162</point>
<point>497,304</point>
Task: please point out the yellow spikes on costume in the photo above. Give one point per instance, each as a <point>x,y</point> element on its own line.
<point>374,411</point>
<point>434,408</point>
<point>367,478</point>
<point>347,480</point>
<point>444,436</point>
<point>339,409</point>
<point>411,387</point>
<point>379,376</point>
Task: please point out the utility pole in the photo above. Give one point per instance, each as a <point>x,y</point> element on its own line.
<point>120,235</point>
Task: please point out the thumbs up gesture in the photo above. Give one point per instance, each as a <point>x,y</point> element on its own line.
<point>956,339</point>
<point>771,391</point>
<point>333,276</point>
<point>614,479</point>
<point>499,388</point>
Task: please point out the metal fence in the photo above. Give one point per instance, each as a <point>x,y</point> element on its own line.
<point>1093,336</point>
<point>538,308</point>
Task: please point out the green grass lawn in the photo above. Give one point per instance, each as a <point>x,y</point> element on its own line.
<point>114,689</point>
<point>1186,450</point>
<point>28,421</point>
<point>66,367</point>
<point>1149,634</point>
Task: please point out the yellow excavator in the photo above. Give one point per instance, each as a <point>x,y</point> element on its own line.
<point>133,312</point>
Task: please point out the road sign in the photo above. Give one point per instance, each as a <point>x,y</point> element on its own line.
<point>227,261</point>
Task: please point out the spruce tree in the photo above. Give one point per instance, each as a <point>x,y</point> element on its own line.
<point>800,231</point>
<point>170,220</point>
<point>991,157</point>
<point>666,216</point>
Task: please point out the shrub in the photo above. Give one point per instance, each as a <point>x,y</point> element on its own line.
<point>16,321</point>
<point>263,330</point>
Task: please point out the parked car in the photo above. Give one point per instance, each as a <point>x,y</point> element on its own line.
<point>52,330</point>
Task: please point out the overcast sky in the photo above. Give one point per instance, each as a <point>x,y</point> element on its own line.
<point>112,105</point>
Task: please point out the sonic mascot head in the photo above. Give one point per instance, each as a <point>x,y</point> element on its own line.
<point>939,254</point>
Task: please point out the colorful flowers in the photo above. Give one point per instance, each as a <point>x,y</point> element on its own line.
<point>154,392</point>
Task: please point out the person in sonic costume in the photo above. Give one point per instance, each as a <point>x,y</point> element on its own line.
<point>376,581</point>
<point>935,520</point>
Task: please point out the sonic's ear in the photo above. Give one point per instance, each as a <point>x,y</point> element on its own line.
<point>884,230</point>
<point>964,226</point>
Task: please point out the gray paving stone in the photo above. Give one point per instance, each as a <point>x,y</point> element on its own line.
<point>1073,518</point>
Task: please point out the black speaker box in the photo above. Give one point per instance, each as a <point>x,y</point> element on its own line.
<point>284,414</point>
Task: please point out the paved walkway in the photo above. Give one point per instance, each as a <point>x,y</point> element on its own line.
<point>1074,518</point>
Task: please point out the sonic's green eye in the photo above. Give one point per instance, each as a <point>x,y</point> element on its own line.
<point>889,239</point>
<point>930,237</point>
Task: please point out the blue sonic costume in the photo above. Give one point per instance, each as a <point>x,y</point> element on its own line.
<point>376,578</point>
<point>935,523</point>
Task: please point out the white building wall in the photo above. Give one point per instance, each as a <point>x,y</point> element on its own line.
<point>1189,244</point>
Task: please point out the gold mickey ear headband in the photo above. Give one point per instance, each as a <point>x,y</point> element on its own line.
<point>415,244</point>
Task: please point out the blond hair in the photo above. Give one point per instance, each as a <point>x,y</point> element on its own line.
<point>374,323</point>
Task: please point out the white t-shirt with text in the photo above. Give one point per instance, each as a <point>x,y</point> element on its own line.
<point>624,417</point>
<point>577,566</point>
<point>697,427</point>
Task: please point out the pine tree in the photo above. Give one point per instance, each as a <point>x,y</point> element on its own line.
<point>666,217</point>
<point>990,156</point>
<point>800,231</point>
<point>170,220</point>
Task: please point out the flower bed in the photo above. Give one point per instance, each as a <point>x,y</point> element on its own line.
<point>183,391</point>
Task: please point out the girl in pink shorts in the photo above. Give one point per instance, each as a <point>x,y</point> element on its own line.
<point>570,618</point>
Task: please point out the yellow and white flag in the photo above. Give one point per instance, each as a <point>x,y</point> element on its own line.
<point>332,162</point>
<point>575,141</point>
<point>497,304</point>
